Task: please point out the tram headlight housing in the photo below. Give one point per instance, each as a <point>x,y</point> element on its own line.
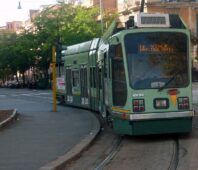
<point>183,103</point>
<point>138,105</point>
<point>161,103</point>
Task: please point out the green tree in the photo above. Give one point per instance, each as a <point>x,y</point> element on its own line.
<point>7,41</point>
<point>61,23</point>
<point>24,52</point>
<point>64,23</point>
<point>16,54</point>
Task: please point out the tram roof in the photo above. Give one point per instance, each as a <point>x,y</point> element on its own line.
<point>82,47</point>
<point>173,22</point>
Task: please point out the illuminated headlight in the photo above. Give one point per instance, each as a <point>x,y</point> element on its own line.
<point>138,105</point>
<point>183,103</point>
<point>161,103</point>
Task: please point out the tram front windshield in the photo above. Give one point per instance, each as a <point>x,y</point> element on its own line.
<point>157,60</point>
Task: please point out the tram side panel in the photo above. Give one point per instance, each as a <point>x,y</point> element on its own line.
<point>81,75</point>
<point>77,85</point>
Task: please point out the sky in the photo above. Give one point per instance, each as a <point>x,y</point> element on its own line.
<point>9,9</point>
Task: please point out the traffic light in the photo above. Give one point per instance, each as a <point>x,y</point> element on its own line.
<point>60,51</point>
<point>63,54</point>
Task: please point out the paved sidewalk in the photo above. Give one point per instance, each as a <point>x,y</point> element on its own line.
<point>40,135</point>
<point>30,143</point>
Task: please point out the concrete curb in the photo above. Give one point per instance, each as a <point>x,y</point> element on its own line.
<point>61,162</point>
<point>7,121</point>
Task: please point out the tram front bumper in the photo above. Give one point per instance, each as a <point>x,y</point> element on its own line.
<point>166,115</point>
<point>154,123</point>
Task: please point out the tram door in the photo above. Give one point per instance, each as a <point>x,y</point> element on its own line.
<point>84,85</point>
<point>105,78</point>
<point>69,95</point>
<point>103,86</point>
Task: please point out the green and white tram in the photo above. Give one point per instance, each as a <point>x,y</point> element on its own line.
<point>138,77</point>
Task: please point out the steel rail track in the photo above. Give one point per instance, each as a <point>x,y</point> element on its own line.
<point>112,153</point>
<point>175,156</point>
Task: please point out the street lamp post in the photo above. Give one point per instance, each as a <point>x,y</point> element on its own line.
<point>19,5</point>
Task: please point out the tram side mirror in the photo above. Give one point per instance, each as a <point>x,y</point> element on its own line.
<point>114,41</point>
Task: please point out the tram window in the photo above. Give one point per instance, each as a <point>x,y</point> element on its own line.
<point>68,81</point>
<point>105,65</point>
<point>100,81</point>
<point>119,87</point>
<point>75,78</point>
<point>83,82</point>
<point>93,77</point>
<point>155,60</point>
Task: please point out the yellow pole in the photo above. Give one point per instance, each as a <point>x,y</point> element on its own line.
<point>54,77</point>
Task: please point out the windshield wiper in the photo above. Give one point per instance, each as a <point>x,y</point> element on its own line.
<point>169,81</point>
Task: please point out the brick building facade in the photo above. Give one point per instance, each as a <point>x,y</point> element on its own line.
<point>14,26</point>
<point>187,10</point>
<point>106,4</point>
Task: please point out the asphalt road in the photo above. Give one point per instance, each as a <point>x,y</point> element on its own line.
<point>40,135</point>
<point>147,152</point>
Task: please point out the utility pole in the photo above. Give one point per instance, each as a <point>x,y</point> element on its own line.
<point>58,55</point>
<point>142,6</point>
<point>54,77</point>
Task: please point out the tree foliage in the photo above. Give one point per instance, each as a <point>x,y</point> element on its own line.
<point>68,23</point>
<point>63,23</point>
